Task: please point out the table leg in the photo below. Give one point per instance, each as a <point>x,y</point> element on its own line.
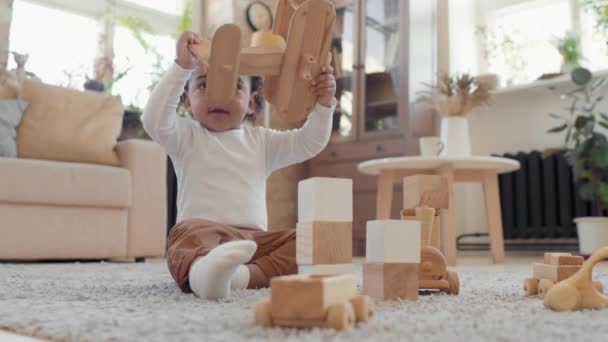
<point>449,218</point>
<point>493,212</point>
<point>384,200</point>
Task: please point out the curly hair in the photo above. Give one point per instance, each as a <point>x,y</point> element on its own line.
<point>257,86</point>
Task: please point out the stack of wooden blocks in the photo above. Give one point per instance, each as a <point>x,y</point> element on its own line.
<point>324,233</point>
<point>391,263</point>
<point>425,191</point>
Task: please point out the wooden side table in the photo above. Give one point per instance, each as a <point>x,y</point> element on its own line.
<point>482,170</point>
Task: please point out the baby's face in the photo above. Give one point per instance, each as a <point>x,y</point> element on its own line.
<point>223,118</point>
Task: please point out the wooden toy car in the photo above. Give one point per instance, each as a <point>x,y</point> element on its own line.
<point>433,270</point>
<point>555,268</point>
<point>302,301</point>
<point>306,29</point>
<point>578,291</point>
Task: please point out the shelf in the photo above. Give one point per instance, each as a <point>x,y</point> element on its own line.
<point>543,84</point>
<point>382,103</point>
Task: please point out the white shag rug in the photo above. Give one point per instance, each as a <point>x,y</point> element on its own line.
<point>140,302</point>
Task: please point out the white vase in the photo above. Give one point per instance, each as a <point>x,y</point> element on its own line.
<point>455,137</point>
<point>592,233</point>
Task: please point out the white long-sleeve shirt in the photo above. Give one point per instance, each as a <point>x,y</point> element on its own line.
<point>221,176</point>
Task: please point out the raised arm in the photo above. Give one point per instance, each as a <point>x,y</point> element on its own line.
<point>284,148</point>
<point>159,117</point>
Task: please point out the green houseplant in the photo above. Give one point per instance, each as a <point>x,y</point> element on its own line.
<point>569,47</point>
<point>586,150</point>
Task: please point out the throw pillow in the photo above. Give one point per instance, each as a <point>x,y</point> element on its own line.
<point>11,112</point>
<point>69,125</point>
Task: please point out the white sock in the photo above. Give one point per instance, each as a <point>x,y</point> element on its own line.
<point>240,278</point>
<point>210,276</point>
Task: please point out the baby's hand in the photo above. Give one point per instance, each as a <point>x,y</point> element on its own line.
<point>184,56</point>
<point>324,86</point>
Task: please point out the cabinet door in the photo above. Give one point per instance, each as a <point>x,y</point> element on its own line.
<point>384,80</point>
<point>344,47</point>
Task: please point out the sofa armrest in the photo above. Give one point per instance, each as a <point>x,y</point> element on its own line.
<point>146,161</point>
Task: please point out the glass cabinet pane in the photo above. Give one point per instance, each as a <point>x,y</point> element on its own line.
<point>343,55</point>
<point>381,60</point>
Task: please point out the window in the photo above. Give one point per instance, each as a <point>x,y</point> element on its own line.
<point>58,54</point>
<point>520,39</point>
<point>64,52</point>
<point>144,66</point>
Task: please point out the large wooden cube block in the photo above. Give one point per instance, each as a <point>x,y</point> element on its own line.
<point>325,199</point>
<point>393,241</point>
<point>328,269</point>
<point>435,241</point>
<point>391,280</point>
<point>563,259</point>
<point>425,190</point>
<point>324,243</point>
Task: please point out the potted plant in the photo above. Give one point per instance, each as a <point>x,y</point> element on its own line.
<point>569,47</point>
<point>453,98</point>
<point>586,150</point>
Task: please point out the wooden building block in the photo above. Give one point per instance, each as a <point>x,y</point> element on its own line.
<point>435,241</point>
<point>309,296</point>
<point>325,199</point>
<point>563,259</point>
<point>425,190</point>
<point>324,243</point>
<point>554,273</point>
<point>391,280</point>
<point>328,269</point>
<point>395,241</point>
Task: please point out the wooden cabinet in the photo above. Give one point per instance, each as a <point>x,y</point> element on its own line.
<point>371,56</point>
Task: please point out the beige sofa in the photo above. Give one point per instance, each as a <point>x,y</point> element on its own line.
<point>59,210</point>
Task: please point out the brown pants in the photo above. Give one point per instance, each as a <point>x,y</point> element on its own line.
<point>190,239</point>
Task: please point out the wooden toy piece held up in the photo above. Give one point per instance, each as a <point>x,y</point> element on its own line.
<point>578,292</point>
<point>289,58</point>
<point>304,301</point>
<point>410,215</point>
<point>224,64</point>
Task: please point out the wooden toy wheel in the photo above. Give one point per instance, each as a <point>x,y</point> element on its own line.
<point>454,282</point>
<point>263,315</point>
<point>340,316</point>
<point>363,307</point>
<point>598,286</point>
<point>531,286</point>
<point>543,286</point>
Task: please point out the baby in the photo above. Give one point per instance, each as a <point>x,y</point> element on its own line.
<point>221,241</point>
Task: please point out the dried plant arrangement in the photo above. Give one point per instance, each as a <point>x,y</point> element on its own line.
<point>456,96</point>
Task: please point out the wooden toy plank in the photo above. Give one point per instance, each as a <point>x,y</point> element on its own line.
<point>435,242</point>
<point>308,297</point>
<point>261,61</point>
<point>391,280</point>
<point>283,13</point>
<point>314,54</point>
<point>553,272</point>
<point>223,65</point>
<point>325,199</point>
<point>563,259</point>
<point>324,243</point>
<point>328,269</point>
<point>425,190</point>
<point>426,216</point>
<point>395,241</point>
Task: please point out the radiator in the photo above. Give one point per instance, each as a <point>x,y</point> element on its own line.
<point>540,201</point>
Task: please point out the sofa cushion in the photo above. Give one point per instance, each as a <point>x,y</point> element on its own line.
<point>11,112</point>
<point>69,125</point>
<point>44,182</point>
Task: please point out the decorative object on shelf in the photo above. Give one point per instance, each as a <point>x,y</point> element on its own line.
<point>503,49</point>
<point>259,16</point>
<point>454,97</point>
<point>586,150</point>
<point>569,47</point>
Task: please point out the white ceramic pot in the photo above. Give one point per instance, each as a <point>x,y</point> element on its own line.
<point>592,233</point>
<point>455,137</point>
